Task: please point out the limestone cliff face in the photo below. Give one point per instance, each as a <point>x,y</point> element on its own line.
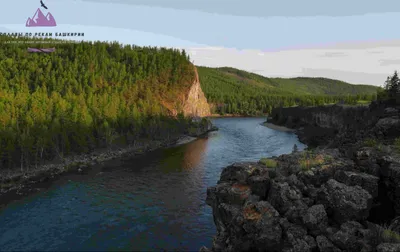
<point>195,103</point>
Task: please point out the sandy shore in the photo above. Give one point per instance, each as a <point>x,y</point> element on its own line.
<point>277,127</point>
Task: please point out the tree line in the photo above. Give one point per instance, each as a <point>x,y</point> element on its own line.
<point>85,96</point>
<point>391,89</point>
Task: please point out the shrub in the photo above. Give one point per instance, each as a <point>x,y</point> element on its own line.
<point>387,235</point>
<point>310,160</point>
<point>328,158</point>
<point>270,163</point>
<point>370,142</point>
<point>397,144</point>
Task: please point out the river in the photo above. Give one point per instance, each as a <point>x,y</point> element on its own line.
<point>151,203</point>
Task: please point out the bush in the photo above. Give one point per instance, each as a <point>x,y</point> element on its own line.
<point>370,142</point>
<point>328,158</point>
<point>310,160</point>
<point>397,144</point>
<point>386,235</point>
<point>269,163</point>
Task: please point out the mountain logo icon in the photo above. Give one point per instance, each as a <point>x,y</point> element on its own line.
<point>39,19</point>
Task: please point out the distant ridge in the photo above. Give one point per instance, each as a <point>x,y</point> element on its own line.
<point>236,92</point>
<point>294,86</point>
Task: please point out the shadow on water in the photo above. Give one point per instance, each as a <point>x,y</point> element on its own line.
<point>153,202</point>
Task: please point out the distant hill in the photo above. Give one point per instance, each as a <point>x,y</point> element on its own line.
<point>297,86</point>
<point>239,92</point>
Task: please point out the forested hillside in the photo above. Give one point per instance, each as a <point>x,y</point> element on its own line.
<point>86,95</point>
<point>239,92</point>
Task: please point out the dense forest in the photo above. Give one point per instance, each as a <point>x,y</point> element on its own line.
<point>90,95</point>
<point>84,96</point>
<point>235,91</point>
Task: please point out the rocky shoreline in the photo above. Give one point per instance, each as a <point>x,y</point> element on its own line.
<point>340,196</point>
<point>277,127</point>
<point>19,184</point>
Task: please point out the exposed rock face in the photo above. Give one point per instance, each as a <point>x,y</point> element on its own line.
<point>196,102</point>
<point>388,247</point>
<point>366,181</point>
<point>320,125</point>
<point>203,126</point>
<point>316,219</point>
<point>330,205</point>
<point>324,208</point>
<point>346,202</point>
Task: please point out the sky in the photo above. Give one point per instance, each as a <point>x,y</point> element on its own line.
<point>354,41</point>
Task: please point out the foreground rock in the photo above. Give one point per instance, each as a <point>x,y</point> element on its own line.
<point>343,196</point>
<point>345,202</point>
<point>323,207</point>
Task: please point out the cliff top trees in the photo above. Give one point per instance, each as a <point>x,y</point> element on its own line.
<point>394,84</point>
<point>391,89</point>
<point>83,95</point>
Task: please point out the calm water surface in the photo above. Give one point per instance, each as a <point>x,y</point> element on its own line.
<point>155,202</point>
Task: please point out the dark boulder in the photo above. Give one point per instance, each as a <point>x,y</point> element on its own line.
<point>326,245</point>
<point>389,126</point>
<point>296,212</point>
<point>388,247</point>
<point>320,175</point>
<point>366,181</point>
<point>282,196</point>
<point>390,172</point>
<point>351,237</point>
<point>235,194</point>
<point>316,220</point>
<point>346,202</point>
<point>259,185</point>
<point>365,160</point>
<point>238,172</point>
<point>262,221</point>
<point>311,243</point>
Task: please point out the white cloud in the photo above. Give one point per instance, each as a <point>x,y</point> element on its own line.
<point>366,62</point>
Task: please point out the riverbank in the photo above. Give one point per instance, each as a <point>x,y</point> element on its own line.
<point>277,127</point>
<point>15,183</point>
<point>233,115</point>
<point>340,196</point>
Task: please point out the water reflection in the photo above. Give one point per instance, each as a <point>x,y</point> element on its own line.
<point>154,202</point>
<point>194,152</point>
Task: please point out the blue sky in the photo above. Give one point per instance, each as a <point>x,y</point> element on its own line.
<point>315,38</point>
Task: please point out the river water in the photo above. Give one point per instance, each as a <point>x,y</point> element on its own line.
<point>152,203</point>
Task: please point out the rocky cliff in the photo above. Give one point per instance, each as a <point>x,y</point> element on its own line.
<point>319,200</point>
<point>338,124</point>
<point>195,101</point>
